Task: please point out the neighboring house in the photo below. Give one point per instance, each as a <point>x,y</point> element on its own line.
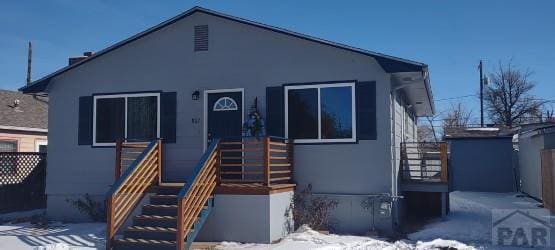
<point>23,122</point>
<point>193,80</point>
<point>531,141</point>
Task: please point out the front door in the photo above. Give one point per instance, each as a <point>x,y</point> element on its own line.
<point>224,115</point>
<point>225,121</point>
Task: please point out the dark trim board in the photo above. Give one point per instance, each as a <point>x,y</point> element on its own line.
<point>390,64</point>
<point>317,83</point>
<point>128,92</point>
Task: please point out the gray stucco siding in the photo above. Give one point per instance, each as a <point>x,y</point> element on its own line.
<point>239,56</point>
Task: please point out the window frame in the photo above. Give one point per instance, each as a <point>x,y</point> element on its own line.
<point>125,96</point>
<point>319,87</point>
<point>10,140</point>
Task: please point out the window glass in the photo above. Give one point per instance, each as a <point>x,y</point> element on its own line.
<point>337,112</point>
<point>303,113</point>
<point>8,146</point>
<point>110,119</point>
<point>142,117</point>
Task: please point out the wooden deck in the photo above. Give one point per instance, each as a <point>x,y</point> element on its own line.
<point>253,188</point>
<point>257,188</point>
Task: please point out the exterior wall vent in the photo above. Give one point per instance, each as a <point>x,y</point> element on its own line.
<point>201,38</point>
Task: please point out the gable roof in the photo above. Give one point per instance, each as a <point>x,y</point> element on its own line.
<point>389,63</point>
<point>31,114</point>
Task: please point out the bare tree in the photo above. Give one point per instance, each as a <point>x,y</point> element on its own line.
<point>457,116</point>
<point>508,98</point>
<point>426,133</point>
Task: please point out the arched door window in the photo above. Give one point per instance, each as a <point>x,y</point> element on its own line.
<point>225,104</point>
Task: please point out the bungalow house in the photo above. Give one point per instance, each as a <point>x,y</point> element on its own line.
<point>168,106</point>
<point>23,122</point>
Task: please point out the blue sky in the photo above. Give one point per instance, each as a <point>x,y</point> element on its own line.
<point>450,36</point>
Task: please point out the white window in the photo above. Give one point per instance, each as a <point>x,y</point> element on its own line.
<point>225,104</point>
<point>135,117</point>
<point>320,113</point>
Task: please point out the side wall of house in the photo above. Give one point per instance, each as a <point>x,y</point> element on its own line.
<point>26,141</point>
<point>403,127</point>
<point>239,56</point>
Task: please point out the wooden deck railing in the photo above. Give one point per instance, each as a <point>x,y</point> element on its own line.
<point>424,162</point>
<point>126,153</point>
<point>267,160</point>
<point>131,187</point>
<point>196,194</point>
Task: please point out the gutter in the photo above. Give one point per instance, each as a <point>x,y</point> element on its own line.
<point>24,129</point>
<point>426,76</point>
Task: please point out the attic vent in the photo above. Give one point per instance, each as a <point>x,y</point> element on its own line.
<point>201,38</point>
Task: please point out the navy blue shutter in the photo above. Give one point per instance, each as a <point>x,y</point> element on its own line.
<point>275,115</point>
<point>85,120</point>
<point>168,116</point>
<point>366,110</point>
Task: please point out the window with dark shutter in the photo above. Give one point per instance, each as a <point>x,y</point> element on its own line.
<point>320,113</point>
<point>130,116</point>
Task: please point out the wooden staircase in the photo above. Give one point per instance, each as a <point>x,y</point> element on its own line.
<point>156,226</point>
<point>175,213</point>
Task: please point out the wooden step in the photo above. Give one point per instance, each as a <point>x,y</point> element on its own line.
<point>155,220</point>
<point>163,199</point>
<point>151,209</point>
<point>168,188</point>
<point>169,210</point>
<point>144,244</point>
<point>154,233</point>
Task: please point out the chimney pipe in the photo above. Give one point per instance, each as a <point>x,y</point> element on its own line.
<point>74,60</point>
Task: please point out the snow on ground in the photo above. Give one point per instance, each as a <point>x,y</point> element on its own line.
<point>24,236</point>
<point>88,236</point>
<point>469,222</point>
<point>306,238</point>
<point>470,219</point>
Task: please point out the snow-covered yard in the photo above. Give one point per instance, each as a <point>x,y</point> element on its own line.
<point>469,222</point>
<point>56,237</point>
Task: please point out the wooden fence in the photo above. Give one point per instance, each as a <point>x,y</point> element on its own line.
<point>22,181</point>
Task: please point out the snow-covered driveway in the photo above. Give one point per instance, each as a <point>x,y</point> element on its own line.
<point>470,219</point>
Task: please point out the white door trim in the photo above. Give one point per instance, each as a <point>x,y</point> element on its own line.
<point>205,111</point>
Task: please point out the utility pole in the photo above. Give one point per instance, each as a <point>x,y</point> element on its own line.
<point>481,95</point>
<point>29,61</point>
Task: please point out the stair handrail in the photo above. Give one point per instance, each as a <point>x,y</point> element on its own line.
<point>196,192</point>
<point>130,188</point>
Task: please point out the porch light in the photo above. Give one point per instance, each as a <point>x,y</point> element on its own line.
<point>196,95</point>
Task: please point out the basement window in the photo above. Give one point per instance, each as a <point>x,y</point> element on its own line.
<point>320,113</point>
<point>131,116</point>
